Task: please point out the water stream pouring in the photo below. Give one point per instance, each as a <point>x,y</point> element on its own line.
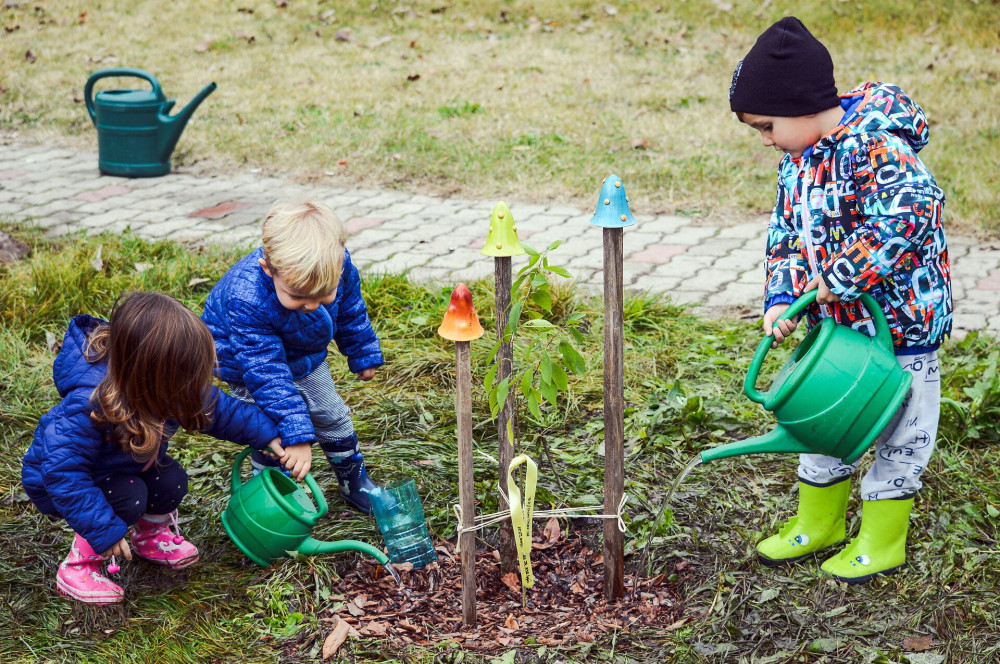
<point>135,132</point>
<point>834,395</point>
<point>270,517</point>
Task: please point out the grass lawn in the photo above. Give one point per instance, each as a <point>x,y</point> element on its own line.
<point>504,99</point>
<point>683,393</point>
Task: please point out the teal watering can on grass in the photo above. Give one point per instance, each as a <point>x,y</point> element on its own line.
<point>135,132</point>
<point>270,517</point>
<point>835,394</point>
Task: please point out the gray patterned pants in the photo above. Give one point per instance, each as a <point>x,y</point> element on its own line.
<point>903,450</point>
<point>331,417</point>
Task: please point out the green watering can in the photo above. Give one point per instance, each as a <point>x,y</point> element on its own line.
<point>135,133</point>
<point>835,394</point>
<point>270,517</point>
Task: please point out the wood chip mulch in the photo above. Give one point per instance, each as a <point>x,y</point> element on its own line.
<point>566,605</point>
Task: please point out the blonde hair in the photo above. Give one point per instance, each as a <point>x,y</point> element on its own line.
<point>304,245</point>
<point>160,358</point>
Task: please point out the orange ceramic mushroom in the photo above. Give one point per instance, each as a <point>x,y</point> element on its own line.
<point>460,321</point>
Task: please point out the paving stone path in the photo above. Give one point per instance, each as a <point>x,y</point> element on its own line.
<point>715,268</point>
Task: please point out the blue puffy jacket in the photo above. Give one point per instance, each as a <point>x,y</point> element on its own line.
<point>264,347</point>
<point>70,455</point>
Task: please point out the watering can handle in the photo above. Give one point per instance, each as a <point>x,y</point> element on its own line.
<point>88,90</point>
<point>321,504</point>
<point>882,335</point>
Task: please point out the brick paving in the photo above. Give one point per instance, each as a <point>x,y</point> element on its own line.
<point>717,269</point>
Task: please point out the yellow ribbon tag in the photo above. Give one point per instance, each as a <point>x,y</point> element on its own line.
<point>521,515</point>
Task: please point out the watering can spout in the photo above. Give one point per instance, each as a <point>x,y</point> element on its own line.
<point>171,126</point>
<point>776,441</point>
<point>312,547</point>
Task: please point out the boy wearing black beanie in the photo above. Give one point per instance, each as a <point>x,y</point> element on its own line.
<point>856,212</point>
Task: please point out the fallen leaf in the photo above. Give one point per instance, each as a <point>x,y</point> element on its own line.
<point>375,628</point>
<point>341,162</point>
<point>511,580</point>
<point>355,610</point>
<point>204,46</point>
<point>552,531</point>
<point>335,639</point>
<point>343,35</point>
<point>361,600</point>
<point>52,342</point>
<point>510,623</point>
<point>197,280</point>
<point>98,262</point>
<point>378,42</point>
<point>918,643</point>
<point>142,267</point>
<point>640,144</point>
<point>29,56</point>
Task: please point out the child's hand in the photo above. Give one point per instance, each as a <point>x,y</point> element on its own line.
<point>121,548</point>
<point>825,295</point>
<point>298,459</point>
<point>782,328</point>
<point>367,374</point>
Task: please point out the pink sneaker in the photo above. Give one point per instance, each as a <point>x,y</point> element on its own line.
<point>80,577</point>
<point>156,543</point>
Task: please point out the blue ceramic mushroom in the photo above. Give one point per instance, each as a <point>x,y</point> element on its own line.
<point>612,207</point>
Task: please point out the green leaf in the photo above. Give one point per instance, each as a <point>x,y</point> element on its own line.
<point>533,404</point>
<point>555,245</point>
<point>571,358</point>
<point>559,377</point>
<point>526,382</point>
<point>491,376</point>
<point>503,388</point>
<point>538,280</point>
<point>546,368</point>
<point>539,323</point>
<point>528,248</point>
<point>542,298</point>
<point>561,271</point>
<point>549,391</point>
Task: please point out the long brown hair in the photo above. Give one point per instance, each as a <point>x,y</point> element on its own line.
<point>160,359</point>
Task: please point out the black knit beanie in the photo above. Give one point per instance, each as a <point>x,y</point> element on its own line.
<point>787,73</point>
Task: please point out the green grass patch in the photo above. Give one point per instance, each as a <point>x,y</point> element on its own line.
<point>683,393</point>
<point>437,96</point>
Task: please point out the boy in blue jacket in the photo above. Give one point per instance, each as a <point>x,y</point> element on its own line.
<point>274,314</point>
<point>856,212</point>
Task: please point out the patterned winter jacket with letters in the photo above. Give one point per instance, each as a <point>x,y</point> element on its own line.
<point>70,454</point>
<point>264,347</point>
<point>861,209</point>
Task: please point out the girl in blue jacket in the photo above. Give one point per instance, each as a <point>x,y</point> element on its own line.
<point>99,458</point>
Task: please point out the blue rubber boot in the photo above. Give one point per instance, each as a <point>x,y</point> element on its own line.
<point>355,485</point>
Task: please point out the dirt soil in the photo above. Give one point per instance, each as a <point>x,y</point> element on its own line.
<point>12,249</point>
<point>566,605</point>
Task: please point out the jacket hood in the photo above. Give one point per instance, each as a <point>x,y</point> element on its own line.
<point>872,107</point>
<point>71,370</point>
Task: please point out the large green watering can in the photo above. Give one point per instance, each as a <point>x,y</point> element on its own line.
<point>270,517</point>
<point>835,394</point>
<point>135,132</point>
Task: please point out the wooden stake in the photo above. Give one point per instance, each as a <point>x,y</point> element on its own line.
<point>614,405</point>
<point>466,481</point>
<point>505,357</point>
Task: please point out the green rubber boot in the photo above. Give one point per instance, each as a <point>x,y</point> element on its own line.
<point>879,548</point>
<point>819,523</point>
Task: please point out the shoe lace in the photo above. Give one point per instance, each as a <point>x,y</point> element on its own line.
<point>177,538</point>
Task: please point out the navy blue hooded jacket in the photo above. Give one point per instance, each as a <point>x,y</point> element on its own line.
<point>264,346</point>
<point>70,454</point>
